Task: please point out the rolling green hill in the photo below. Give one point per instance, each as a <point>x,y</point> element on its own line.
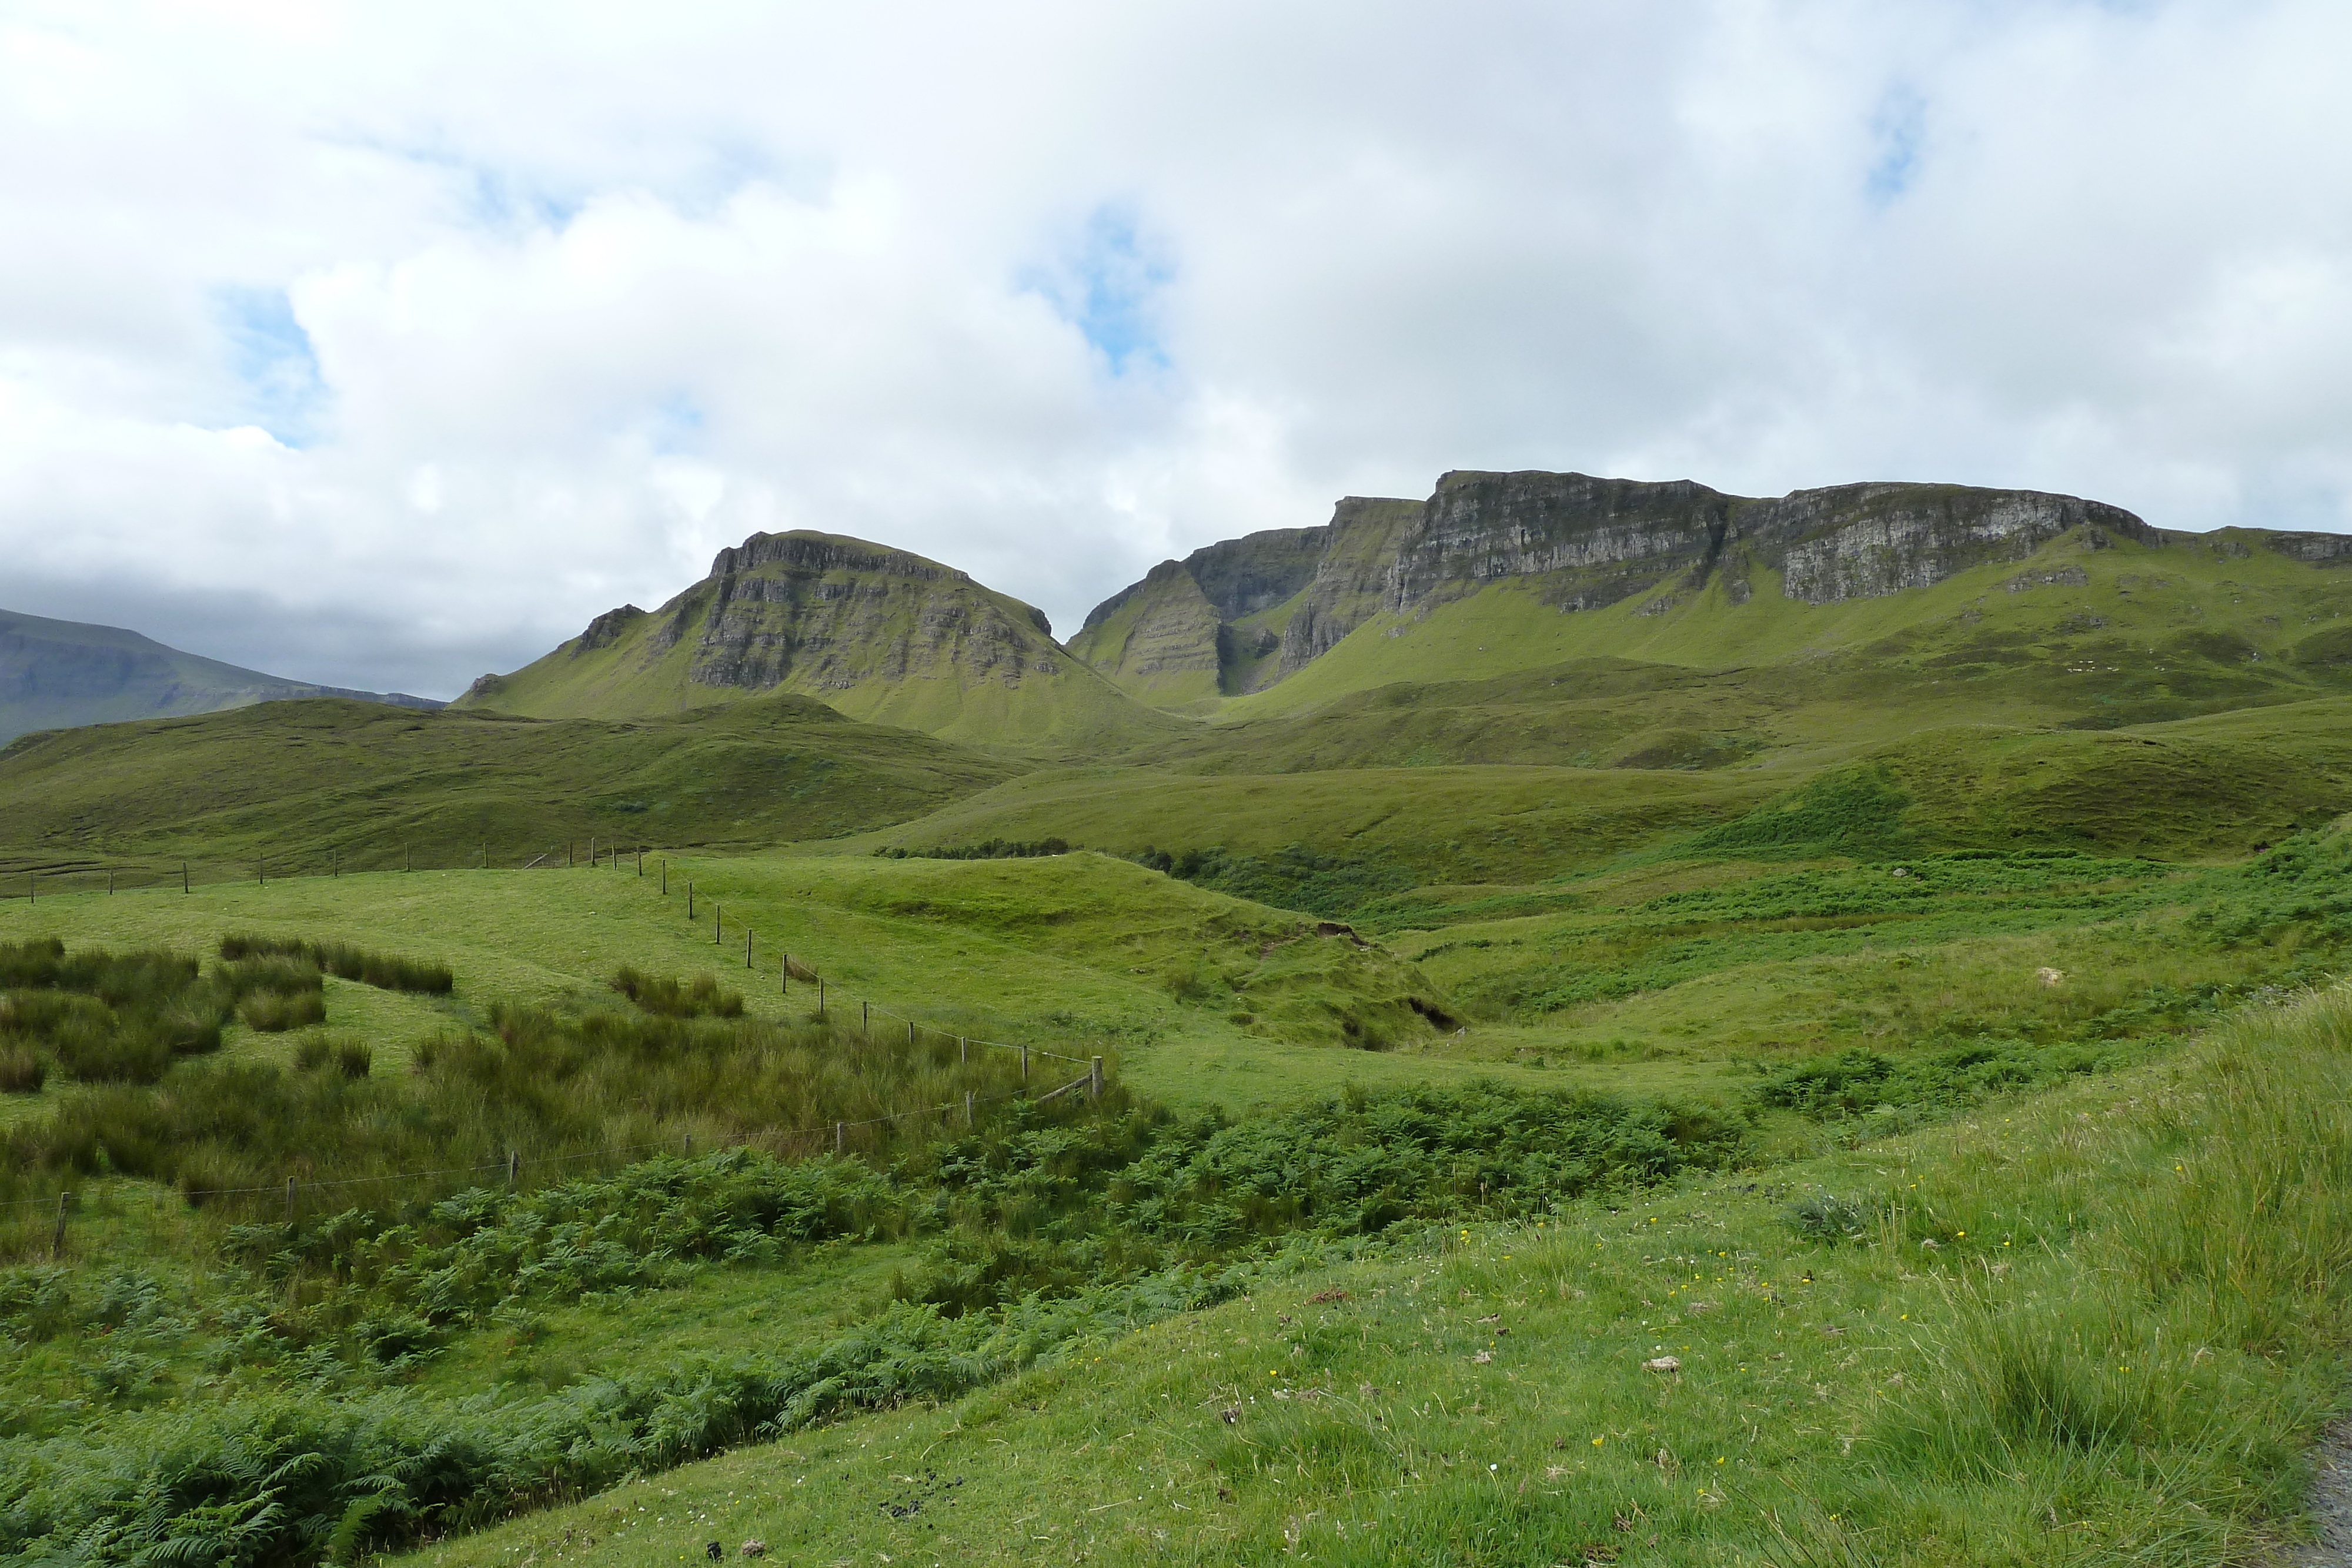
<point>58,673</point>
<point>299,779</point>
<point>880,634</point>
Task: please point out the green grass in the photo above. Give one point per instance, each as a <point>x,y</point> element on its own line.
<point>2127,1329</point>
<point>300,781</point>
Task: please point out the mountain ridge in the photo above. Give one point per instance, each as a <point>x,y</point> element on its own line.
<point>882,634</point>
<point>62,674</point>
<point>1578,544</point>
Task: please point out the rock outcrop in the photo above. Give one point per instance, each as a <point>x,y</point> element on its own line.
<point>881,634</point>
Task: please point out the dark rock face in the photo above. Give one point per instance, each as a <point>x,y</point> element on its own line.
<point>607,629</point>
<point>833,614</point>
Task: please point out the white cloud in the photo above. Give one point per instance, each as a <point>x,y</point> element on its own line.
<point>382,345</point>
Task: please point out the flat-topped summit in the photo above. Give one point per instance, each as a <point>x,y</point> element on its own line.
<point>1239,616</point>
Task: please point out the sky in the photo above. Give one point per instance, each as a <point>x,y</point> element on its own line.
<point>387,345</point>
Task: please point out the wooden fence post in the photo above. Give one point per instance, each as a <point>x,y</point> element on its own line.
<point>184,876</point>
<point>486,854</point>
<point>967,1107</point>
<point>819,996</point>
<point>747,947</point>
<point>689,898</point>
<point>665,879</point>
<point>290,1200</point>
<point>1094,1074</point>
<point>840,1136</point>
<point>714,926</point>
<point>963,1052</point>
<point>910,1033</point>
<point>784,975</point>
<point>514,1164</point>
<point>58,1240</point>
<point>109,882</point>
<point>1024,1064</point>
<point>408,857</point>
<point>866,1019</point>
<point>686,1145</point>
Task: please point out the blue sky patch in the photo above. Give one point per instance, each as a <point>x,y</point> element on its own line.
<point>1897,132</point>
<point>1108,285</point>
<point>271,357</point>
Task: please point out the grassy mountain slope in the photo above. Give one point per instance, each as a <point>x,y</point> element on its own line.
<point>299,779</point>
<point>2137,631</point>
<point>882,635</point>
<point>58,673</point>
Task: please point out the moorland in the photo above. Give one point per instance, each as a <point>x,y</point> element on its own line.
<point>1633,1025</point>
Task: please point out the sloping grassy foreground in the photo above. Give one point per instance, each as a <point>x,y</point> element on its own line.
<point>2100,1326</point>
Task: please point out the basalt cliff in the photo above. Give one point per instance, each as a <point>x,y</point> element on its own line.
<point>881,634</point>
<point>1241,615</point>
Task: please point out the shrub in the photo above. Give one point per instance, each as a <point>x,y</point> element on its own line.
<point>311,1051</point>
<point>273,1012</point>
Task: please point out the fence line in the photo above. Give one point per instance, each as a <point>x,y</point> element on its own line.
<point>26,884</point>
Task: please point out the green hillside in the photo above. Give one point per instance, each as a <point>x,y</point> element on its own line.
<point>300,781</point>
<point>58,673</point>
<point>881,635</point>
<point>2112,632</point>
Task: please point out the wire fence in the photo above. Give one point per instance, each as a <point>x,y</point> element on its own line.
<point>56,875</point>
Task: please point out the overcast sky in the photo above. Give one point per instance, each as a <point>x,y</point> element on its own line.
<point>386,344</point>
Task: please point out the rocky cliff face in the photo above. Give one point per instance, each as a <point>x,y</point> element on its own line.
<point>881,634</point>
<point>1581,543</point>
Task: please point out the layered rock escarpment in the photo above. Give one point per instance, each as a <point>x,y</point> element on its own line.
<point>881,634</point>
<point>1580,543</point>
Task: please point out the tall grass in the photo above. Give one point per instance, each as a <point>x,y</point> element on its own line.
<point>2192,1336</point>
<point>547,1089</point>
<point>345,961</point>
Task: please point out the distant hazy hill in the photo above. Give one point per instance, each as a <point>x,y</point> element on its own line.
<point>55,674</point>
<point>1500,573</point>
<point>880,634</point>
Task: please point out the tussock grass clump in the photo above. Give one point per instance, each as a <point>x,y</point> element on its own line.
<point>344,961</point>
<point>21,1069</point>
<point>545,1085</point>
<point>97,1017</point>
<point>274,1012</point>
<point>665,997</point>
<point>986,850</point>
<point>278,973</point>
